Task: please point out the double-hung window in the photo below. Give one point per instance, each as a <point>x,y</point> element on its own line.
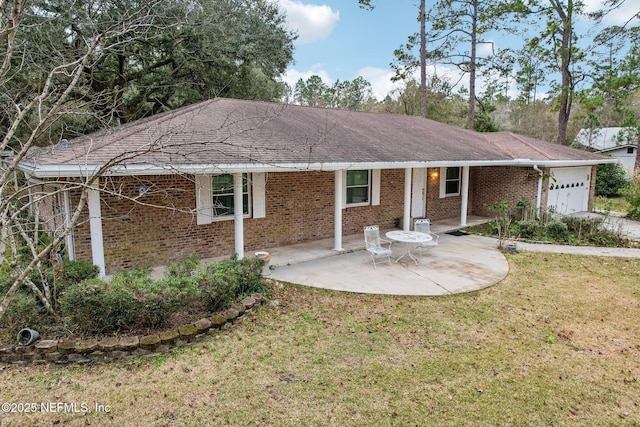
<point>223,197</point>
<point>358,187</point>
<point>450,179</point>
<point>215,199</point>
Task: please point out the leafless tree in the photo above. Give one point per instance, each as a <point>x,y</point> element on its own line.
<point>28,112</point>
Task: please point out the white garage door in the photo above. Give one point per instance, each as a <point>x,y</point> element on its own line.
<point>569,189</point>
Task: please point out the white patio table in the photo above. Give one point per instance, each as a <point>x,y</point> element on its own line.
<point>411,240</point>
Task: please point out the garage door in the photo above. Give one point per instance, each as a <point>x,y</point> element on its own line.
<point>569,189</point>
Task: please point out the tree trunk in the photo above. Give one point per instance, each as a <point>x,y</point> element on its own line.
<point>472,69</point>
<point>423,61</point>
<point>636,168</point>
<point>566,94</point>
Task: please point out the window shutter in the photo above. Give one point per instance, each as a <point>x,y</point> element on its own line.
<point>443,182</point>
<point>259,195</point>
<point>375,187</point>
<point>204,199</point>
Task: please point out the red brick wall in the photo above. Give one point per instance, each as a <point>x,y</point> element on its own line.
<point>387,214</point>
<point>159,227</point>
<point>495,183</point>
<point>446,207</point>
<point>299,208</point>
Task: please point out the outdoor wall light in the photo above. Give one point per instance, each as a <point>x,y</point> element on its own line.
<point>434,174</point>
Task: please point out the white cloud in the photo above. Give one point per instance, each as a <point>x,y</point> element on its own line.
<point>380,79</point>
<point>618,16</point>
<point>291,76</point>
<point>486,49</point>
<point>311,22</point>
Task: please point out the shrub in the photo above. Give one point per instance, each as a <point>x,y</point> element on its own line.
<point>167,296</point>
<point>24,311</point>
<point>528,229</point>
<point>185,267</point>
<point>132,298</point>
<point>97,306</point>
<point>610,179</point>
<point>154,301</point>
<point>632,196</point>
<point>503,220</point>
<point>582,226</point>
<point>526,209</point>
<point>78,271</point>
<point>224,281</point>
<point>557,230</point>
<point>6,279</point>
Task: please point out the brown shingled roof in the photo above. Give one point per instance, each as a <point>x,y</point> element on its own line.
<point>228,131</point>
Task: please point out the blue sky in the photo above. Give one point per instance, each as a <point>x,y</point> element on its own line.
<point>338,40</point>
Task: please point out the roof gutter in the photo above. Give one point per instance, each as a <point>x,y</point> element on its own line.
<point>88,170</point>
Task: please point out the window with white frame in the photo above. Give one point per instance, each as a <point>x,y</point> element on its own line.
<point>223,195</point>
<point>450,182</point>
<point>358,187</point>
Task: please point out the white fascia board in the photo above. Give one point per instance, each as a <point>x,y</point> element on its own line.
<point>56,171</point>
<point>617,147</point>
<point>569,163</point>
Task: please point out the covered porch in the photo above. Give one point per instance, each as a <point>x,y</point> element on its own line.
<point>458,264</point>
<point>313,250</point>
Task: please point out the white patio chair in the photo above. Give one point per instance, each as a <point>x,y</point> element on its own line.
<point>377,247</point>
<point>423,225</point>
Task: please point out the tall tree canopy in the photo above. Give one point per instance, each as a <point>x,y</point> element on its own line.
<point>347,95</point>
<point>458,27</point>
<point>559,41</point>
<point>68,67</point>
<point>180,53</point>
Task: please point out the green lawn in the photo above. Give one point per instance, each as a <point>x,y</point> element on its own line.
<point>555,343</point>
<point>613,204</point>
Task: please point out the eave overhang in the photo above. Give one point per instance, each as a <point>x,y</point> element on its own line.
<point>89,170</point>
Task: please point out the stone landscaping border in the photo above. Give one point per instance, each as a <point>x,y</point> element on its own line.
<point>111,349</point>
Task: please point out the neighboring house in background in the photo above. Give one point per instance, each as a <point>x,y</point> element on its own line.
<point>619,143</point>
<point>227,176</point>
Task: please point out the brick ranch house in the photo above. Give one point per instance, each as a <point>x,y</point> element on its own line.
<point>227,176</point>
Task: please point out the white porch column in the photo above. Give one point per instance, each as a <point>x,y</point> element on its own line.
<point>337,215</point>
<point>95,225</point>
<point>464,192</point>
<point>406,218</point>
<point>238,217</point>
<point>67,219</point>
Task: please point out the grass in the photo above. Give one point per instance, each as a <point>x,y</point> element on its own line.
<point>613,204</point>
<point>555,343</point>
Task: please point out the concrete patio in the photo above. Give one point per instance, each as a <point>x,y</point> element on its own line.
<point>459,264</point>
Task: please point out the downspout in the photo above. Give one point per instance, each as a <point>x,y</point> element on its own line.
<point>539,196</point>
